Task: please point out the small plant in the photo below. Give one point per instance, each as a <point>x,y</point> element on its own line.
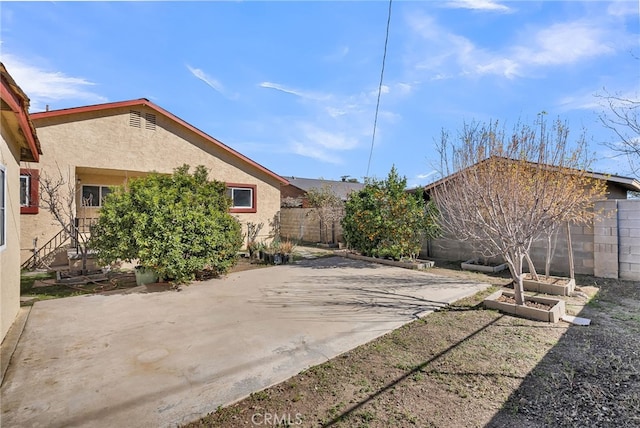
<point>253,247</point>
<point>286,247</point>
<point>253,229</point>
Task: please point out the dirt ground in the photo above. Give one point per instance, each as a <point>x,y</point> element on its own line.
<point>469,367</point>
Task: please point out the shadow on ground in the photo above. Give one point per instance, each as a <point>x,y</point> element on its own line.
<point>591,378</point>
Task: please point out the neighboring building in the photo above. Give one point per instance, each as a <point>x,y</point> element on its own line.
<point>298,187</point>
<point>604,247</point>
<point>617,187</point>
<point>300,222</point>
<point>19,143</point>
<point>103,145</point>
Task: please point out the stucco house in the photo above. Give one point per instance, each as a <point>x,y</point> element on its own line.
<point>19,143</point>
<point>98,146</point>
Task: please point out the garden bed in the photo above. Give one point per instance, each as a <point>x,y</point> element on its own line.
<point>536,308</point>
<point>560,286</point>
<point>406,264</point>
<point>475,265</point>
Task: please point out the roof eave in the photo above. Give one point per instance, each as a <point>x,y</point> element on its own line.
<point>18,102</point>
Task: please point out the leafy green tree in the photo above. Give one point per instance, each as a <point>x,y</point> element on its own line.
<point>385,220</point>
<point>175,224</point>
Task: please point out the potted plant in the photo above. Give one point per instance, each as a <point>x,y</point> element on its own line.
<point>145,275</point>
<point>253,247</point>
<point>274,250</point>
<point>286,248</point>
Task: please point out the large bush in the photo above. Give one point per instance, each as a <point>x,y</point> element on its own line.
<point>384,220</point>
<point>175,224</point>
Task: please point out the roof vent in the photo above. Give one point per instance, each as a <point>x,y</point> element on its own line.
<point>150,121</point>
<point>135,118</point>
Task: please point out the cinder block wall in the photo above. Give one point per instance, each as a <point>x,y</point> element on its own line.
<point>608,247</point>
<point>582,243</point>
<point>303,224</point>
<point>605,239</point>
<point>581,239</point>
<point>629,239</point>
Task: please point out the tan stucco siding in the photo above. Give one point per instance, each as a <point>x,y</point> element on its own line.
<point>99,141</point>
<point>10,255</point>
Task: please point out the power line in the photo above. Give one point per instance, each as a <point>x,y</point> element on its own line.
<point>375,119</point>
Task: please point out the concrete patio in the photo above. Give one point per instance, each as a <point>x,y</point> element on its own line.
<point>167,358</point>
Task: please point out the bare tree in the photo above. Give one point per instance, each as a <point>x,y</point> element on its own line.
<point>329,208</point>
<point>621,116</point>
<point>58,197</point>
<point>506,190</point>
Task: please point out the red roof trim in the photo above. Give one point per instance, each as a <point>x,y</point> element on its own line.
<point>146,103</point>
<point>16,103</point>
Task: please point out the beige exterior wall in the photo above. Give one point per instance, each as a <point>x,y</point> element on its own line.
<point>101,148</point>
<point>10,255</point>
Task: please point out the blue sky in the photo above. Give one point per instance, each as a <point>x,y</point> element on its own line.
<point>293,85</point>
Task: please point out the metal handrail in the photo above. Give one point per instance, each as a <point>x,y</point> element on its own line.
<point>45,250</point>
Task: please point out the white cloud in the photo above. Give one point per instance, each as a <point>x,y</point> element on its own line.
<point>47,87</point>
<point>338,54</point>
<point>571,42</point>
<point>317,153</point>
<point>566,43</point>
<point>477,5</point>
<point>623,8</point>
<point>404,88</point>
<point>341,122</point>
<point>427,175</point>
<point>211,81</point>
<point>296,92</point>
<point>316,136</point>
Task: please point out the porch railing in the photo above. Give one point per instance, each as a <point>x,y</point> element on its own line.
<point>42,256</point>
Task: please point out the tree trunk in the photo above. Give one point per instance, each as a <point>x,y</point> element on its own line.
<point>84,258</point>
<point>532,268</point>
<point>547,263</point>
<point>570,249</point>
<point>515,267</point>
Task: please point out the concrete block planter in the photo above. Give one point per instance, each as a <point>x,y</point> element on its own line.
<point>556,285</point>
<point>418,264</point>
<point>475,265</point>
<point>552,315</point>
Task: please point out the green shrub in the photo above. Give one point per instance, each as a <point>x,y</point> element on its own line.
<point>384,220</point>
<point>175,224</point>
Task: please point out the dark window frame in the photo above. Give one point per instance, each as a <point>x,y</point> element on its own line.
<point>33,205</point>
<point>254,199</point>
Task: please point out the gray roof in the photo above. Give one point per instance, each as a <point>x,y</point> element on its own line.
<point>340,188</point>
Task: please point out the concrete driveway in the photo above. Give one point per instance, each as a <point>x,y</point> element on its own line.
<point>161,359</point>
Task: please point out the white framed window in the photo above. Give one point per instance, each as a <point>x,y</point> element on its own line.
<point>93,195</point>
<point>25,190</point>
<point>29,190</point>
<point>3,207</point>
<point>243,197</point>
